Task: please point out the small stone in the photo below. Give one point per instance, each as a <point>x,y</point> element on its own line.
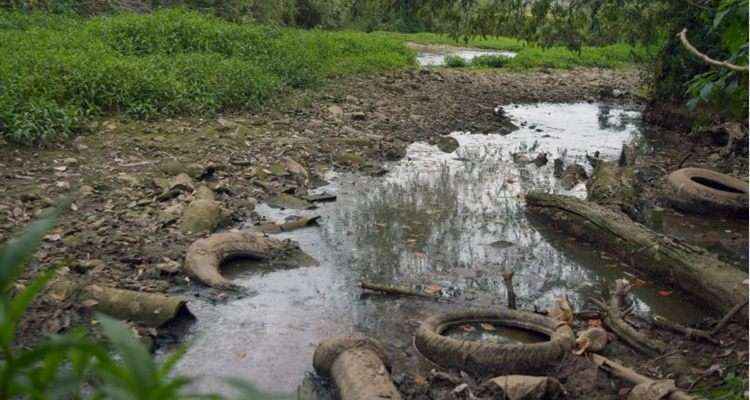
<point>127,179</point>
<point>70,161</point>
<point>202,216</point>
<point>358,116</point>
<point>336,111</point>
<point>204,193</point>
<point>447,144</point>
<point>86,190</point>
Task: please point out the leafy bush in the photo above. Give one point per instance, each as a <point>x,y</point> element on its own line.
<point>455,62</point>
<point>54,76</point>
<point>73,365</point>
<point>489,61</point>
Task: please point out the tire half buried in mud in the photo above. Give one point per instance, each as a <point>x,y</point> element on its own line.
<point>703,191</point>
<point>205,256</point>
<point>485,359</point>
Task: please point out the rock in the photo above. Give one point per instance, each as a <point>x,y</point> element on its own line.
<point>573,174</point>
<point>248,204</point>
<point>86,190</point>
<point>195,170</point>
<point>225,124</point>
<point>204,193</point>
<point>358,116</point>
<point>290,202</point>
<point>202,216</point>
<point>349,158</point>
<point>172,167</point>
<point>540,160</point>
<point>70,161</point>
<point>128,179</point>
<point>446,144</point>
<point>182,183</point>
<point>176,167</point>
<point>295,168</point>
<point>335,111</point>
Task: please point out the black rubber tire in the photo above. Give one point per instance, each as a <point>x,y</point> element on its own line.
<point>702,191</point>
<point>490,359</point>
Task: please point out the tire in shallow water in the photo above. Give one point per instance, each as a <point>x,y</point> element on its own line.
<point>703,191</point>
<point>485,359</point>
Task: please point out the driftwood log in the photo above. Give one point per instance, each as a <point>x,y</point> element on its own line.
<point>614,317</point>
<point>690,268</point>
<point>394,290</point>
<point>690,333</point>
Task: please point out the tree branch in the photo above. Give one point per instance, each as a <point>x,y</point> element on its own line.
<point>707,59</point>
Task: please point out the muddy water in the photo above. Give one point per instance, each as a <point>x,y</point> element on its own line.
<point>437,57</point>
<point>448,222</point>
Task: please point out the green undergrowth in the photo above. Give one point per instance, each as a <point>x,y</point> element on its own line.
<point>58,72</point>
<point>530,56</point>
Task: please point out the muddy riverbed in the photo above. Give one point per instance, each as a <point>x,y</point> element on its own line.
<point>447,223</point>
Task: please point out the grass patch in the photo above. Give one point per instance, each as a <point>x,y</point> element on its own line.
<point>490,61</point>
<point>529,56</point>
<point>455,62</point>
<point>56,72</point>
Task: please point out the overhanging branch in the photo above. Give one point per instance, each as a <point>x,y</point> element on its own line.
<point>707,59</point>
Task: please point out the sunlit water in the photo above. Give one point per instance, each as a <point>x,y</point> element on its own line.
<point>432,59</point>
<point>434,219</point>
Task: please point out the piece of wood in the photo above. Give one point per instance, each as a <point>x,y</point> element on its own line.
<point>614,318</point>
<point>633,377</point>
<point>724,321</point>
<point>396,290</point>
<point>688,267</point>
<point>708,60</point>
<point>690,333</point>
<point>508,281</point>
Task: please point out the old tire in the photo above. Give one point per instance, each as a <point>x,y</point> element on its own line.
<point>485,359</point>
<point>699,190</point>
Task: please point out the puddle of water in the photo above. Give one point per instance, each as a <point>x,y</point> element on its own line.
<point>433,59</point>
<point>435,219</point>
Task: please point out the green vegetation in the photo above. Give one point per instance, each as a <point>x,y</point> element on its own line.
<point>490,61</point>
<point>56,72</point>
<point>617,55</point>
<point>455,62</point>
<point>75,366</point>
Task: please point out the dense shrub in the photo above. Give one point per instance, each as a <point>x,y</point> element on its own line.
<point>455,62</point>
<point>55,72</point>
<point>489,61</point>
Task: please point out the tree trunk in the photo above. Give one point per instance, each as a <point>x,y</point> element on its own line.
<point>691,268</point>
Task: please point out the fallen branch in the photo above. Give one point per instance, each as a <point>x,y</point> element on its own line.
<point>690,333</point>
<point>395,290</point>
<point>708,60</point>
<point>724,321</point>
<point>614,318</point>
<point>695,270</point>
<point>508,281</point>
<point>635,378</point>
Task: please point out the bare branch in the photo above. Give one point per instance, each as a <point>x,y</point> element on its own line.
<point>707,59</point>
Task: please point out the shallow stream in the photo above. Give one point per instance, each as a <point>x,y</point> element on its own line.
<point>447,222</point>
